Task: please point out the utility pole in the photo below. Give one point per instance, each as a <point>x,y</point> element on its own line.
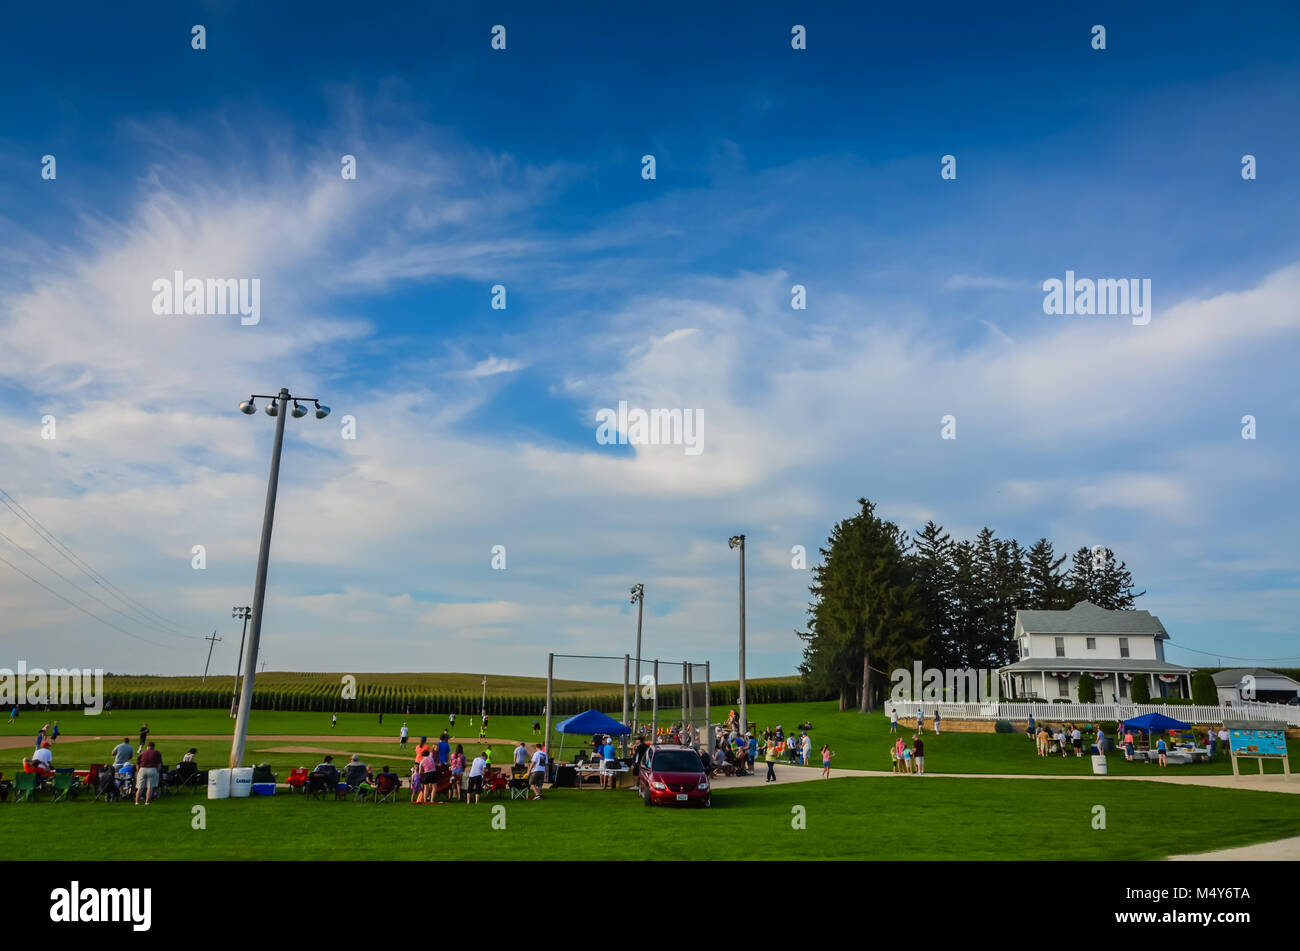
<point>212,642</point>
<point>243,614</point>
<point>483,711</point>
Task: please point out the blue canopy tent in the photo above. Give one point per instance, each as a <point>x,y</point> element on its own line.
<point>591,723</point>
<point>1153,723</point>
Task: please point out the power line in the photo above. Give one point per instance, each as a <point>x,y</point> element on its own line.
<point>89,594</point>
<point>1230,657</point>
<point>83,610</point>
<point>85,568</point>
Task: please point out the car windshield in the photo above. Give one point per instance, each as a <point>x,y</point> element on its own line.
<point>677,761</point>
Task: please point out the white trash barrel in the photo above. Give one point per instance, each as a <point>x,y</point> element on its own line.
<point>218,784</point>
<point>241,782</point>
<point>1099,765</point>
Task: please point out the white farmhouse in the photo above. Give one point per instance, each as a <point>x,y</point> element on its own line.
<point>1056,648</point>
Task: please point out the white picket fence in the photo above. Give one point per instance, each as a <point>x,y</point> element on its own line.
<point>1092,712</point>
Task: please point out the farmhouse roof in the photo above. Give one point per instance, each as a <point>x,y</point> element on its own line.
<point>1087,618</point>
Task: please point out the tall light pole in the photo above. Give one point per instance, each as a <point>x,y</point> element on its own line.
<point>638,598</point>
<point>738,541</point>
<point>277,408</point>
<point>483,710</point>
<point>239,614</point>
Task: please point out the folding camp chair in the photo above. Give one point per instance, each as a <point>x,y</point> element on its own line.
<point>497,782</point>
<point>25,787</point>
<point>298,779</point>
<point>318,785</point>
<point>519,783</point>
<point>63,782</point>
<point>386,786</point>
<point>106,787</point>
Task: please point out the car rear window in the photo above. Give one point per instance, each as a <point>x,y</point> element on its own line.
<point>676,761</point>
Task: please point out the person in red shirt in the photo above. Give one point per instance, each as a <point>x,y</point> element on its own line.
<point>150,763</point>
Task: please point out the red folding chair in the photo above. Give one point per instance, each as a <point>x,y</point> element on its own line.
<point>298,779</point>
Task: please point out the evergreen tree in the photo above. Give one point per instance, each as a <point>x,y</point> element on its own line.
<point>1046,583</point>
<point>1087,688</point>
<point>934,572</point>
<point>1095,577</point>
<point>865,618</point>
<point>1141,689</point>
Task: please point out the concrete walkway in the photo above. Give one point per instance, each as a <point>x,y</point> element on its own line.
<point>800,774</point>
<point>1282,850</point>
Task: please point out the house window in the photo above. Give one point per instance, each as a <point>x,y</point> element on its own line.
<point>1024,647</point>
<point>1060,647</point>
<point>1092,643</point>
<point>1123,647</point>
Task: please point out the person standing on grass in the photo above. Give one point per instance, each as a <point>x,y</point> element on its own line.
<point>422,748</point>
<point>13,713</point>
<point>144,735</point>
<point>537,776</point>
<point>444,750</point>
<point>1077,739</point>
<point>146,778</point>
<point>1162,749</point>
<point>1031,730</point>
<point>918,754</point>
<point>537,727</point>
<point>1128,746</point>
<point>476,770</point>
<point>805,749</point>
<point>893,757</point>
<point>893,720</point>
<point>1214,743</point>
<point>907,756</point>
<point>428,775</point>
<point>770,756</point>
<point>936,721</point>
<point>334,721</point>
<point>920,721</point>
<point>521,754</point>
<point>457,770</point>
<point>826,762</point>
<point>122,753</point>
<point>381,717</point>
<point>451,720</point>
<point>401,737</point>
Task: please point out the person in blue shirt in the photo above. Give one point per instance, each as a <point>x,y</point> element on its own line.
<point>751,747</point>
<point>444,751</point>
<point>1162,749</point>
<point>607,762</point>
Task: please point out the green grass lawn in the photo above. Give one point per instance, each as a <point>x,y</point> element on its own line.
<point>860,742</point>
<point>886,818</point>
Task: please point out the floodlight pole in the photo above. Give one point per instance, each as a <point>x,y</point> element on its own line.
<point>243,613</point>
<point>626,663</point>
<point>738,541</point>
<point>638,595</point>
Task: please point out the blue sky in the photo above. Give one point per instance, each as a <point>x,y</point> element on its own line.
<point>522,168</point>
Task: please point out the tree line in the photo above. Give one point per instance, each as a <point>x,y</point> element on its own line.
<point>883,598</point>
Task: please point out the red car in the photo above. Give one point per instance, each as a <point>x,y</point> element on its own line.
<point>674,774</point>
